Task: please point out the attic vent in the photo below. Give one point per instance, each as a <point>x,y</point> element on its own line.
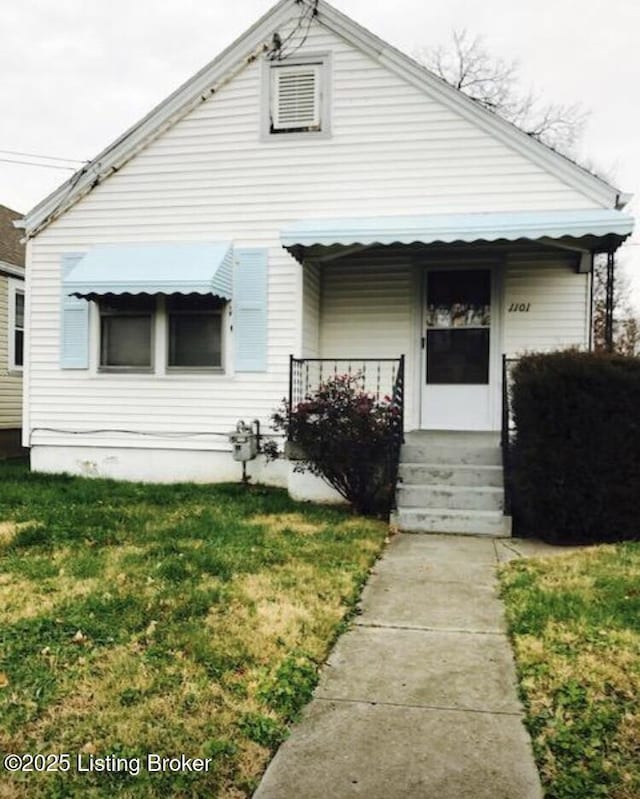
<point>295,98</point>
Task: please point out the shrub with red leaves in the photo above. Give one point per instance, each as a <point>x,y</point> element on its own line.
<point>348,438</point>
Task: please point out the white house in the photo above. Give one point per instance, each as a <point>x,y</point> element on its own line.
<point>314,193</point>
<point>11,332</point>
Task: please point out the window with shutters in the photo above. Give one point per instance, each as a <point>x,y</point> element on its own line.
<point>161,334</point>
<point>298,97</point>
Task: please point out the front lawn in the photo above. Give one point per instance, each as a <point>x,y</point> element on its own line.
<point>575,623</point>
<point>173,620</point>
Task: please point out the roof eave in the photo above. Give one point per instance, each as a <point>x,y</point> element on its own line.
<point>13,270</point>
<point>623,199</point>
<point>202,85</point>
<point>574,174</point>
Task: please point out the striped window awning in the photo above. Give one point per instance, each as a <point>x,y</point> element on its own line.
<point>171,268</point>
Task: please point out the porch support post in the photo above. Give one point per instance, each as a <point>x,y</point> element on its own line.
<point>291,360</point>
<point>609,288</point>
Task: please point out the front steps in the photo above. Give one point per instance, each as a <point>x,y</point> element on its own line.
<point>451,482</point>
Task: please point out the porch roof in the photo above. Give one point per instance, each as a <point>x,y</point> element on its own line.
<point>163,268</point>
<point>600,227</point>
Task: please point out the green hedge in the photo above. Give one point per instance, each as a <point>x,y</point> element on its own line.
<point>576,458</point>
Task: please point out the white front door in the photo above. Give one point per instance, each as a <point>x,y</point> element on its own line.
<point>458,353</point>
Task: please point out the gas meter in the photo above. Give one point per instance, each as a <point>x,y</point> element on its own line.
<point>244,442</point>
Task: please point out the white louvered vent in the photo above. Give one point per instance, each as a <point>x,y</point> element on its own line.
<point>296,98</point>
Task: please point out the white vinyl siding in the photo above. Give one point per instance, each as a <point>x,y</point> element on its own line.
<point>311,311</point>
<point>557,298</point>
<point>368,312</point>
<point>213,177</point>
<point>10,381</point>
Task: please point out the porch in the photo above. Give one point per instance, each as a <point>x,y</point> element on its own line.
<point>460,295</point>
<point>454,293</point>
<point>447,481</point>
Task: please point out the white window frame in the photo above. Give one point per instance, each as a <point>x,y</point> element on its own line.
<point>220,313</point>
<point>106,368</point>
<point>159,346</point>
<point>15,287</point>
<point>323,68</point>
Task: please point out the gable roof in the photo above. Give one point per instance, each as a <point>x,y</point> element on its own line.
<point>246,49</point>
<point>11,250</point>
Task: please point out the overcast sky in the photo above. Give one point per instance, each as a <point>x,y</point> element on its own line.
<point>77,73</point>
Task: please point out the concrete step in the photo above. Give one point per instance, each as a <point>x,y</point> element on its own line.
<point>443,454</point>
<point>450,497</point>
<point>460,522</point>
<point>453,438</point>
<point>451,474</point>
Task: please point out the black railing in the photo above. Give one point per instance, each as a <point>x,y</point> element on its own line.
<point>397,429</point>
<point>507,431</point>
<point>382,378</point>
<point>376,376</point>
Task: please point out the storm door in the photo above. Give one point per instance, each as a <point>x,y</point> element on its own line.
<point>457,350</point>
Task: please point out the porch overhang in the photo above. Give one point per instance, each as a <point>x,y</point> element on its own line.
<point>165,268</point>
<point>587,230</point>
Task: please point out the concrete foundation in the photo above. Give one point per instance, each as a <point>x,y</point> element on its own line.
<point>174,465</point>
<point>156,465</point>
<point>306,487</point>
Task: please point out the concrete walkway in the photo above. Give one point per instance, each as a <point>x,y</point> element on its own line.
<point>418,700</point>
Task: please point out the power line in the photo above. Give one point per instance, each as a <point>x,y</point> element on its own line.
<point>34,163</point>
<point>45,157</point>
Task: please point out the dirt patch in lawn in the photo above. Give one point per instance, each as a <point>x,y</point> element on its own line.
<point>8,529</point>
<point>282,609</point>
<point>287,522</point>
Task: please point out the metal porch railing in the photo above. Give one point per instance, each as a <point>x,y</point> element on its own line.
<point>382,378</point>
<point>508,430</point>
<point>376,376</point>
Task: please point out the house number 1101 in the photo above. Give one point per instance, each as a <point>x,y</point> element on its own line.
<point>519,307</point>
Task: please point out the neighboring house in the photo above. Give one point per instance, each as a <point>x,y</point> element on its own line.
<point>11,332</point>
<point>313,193</point>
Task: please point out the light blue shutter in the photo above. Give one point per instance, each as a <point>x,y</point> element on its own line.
<point>250,309</point>
<point>74,323</point>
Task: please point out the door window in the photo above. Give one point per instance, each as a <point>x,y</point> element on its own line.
<point>458,323</point>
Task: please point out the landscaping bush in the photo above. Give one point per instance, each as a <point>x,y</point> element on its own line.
<point>576,459</point>
<point>348,438</point>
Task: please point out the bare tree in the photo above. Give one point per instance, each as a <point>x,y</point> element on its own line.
<point>493,82</point>
<point>626,325</point>
<point>466,64</point>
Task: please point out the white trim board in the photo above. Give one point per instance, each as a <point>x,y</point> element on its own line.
<point>15,287</point>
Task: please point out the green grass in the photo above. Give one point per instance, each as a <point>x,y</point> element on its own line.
<point>178,619</point>
<point>575,624</point>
